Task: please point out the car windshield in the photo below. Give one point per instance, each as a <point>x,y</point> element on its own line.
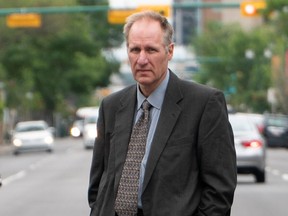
<point>29,128</point>
<point>91,120</point>
<point>277,121</point>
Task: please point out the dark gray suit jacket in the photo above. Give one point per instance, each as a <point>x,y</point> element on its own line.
<point>191,169</point>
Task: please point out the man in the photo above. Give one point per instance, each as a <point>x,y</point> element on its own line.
<point>189,166</point>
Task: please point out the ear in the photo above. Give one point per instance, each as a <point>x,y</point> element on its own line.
<point>170,51</point>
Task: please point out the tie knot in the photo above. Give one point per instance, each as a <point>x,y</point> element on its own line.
<point>146,105</point>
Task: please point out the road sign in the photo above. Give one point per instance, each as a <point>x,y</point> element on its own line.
<point>119,16</point>
<point>25,20</point>
<point>165,10</point>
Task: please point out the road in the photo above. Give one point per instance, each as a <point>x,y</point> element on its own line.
<point>264,199</point>
<point>56,184</point>
<point>46,184</point>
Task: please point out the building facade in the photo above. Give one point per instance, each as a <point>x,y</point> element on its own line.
<point>192,21</point>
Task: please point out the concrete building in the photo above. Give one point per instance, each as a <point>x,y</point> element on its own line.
<point>191,21</point>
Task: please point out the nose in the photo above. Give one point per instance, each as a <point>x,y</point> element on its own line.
<point>142,58</point>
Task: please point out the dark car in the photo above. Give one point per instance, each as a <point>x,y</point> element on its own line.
<point>276,130</point>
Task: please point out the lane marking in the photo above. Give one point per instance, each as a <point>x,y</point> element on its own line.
<point>21,174</point>
<point>285,177</point>
<point>14,177</point>
<point>276,172</point>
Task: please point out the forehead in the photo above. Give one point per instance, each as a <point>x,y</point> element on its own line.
<point>145,30</point>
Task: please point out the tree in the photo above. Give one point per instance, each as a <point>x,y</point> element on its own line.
<point>276,16</point>
<point>244,79</point>
<point>56,67</point>
<point>106,34</point>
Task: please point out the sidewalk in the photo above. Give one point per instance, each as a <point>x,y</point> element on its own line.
<point>5,148</point>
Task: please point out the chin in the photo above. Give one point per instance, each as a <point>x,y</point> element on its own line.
<point>144,80</point>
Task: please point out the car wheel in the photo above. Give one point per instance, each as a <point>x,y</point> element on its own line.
<point>260,176</point>
<point>49,150</point>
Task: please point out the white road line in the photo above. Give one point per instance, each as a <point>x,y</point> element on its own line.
<point>285,177</point>
<point>14,177</point>
<point>277,173</point>
<point>268,169</point>
<point>23,173</point>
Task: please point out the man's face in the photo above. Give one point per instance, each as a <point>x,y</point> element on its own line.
<point>148,54</point>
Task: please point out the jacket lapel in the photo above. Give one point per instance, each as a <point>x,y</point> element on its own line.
<point>122,130</point>
<point>169,114</point>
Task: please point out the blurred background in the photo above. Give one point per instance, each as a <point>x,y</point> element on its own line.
<point>58,59</point>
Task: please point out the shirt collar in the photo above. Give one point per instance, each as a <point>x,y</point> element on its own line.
<point>157,96</point>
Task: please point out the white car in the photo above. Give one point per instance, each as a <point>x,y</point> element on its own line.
<point>32,135</point>
<point>77,128</point>
<point>89,131</point>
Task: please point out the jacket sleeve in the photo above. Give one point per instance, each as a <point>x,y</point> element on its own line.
<point>217,159</point>
<point>97,164</point>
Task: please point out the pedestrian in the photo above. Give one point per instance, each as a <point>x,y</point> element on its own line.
<point>172,156</point>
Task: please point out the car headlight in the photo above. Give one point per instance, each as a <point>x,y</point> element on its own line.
<point>17,142</point>
<point>75,132</point>
<point>49,140</point>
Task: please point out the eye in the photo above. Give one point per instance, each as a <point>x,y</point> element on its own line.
<point>134,50</point>
<point>151,50</point>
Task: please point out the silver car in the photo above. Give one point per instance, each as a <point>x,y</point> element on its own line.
<point>32,135</point>
<point>250,146</point>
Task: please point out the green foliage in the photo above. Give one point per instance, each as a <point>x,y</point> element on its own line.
<point>111,32</point>
<point>244,81</point>
<point>276,14</point>
<point>59,64</point>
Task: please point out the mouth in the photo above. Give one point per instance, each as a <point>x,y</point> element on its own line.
<point>143,70</point>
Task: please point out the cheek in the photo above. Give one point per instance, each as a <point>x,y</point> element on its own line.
<point>132,61</point>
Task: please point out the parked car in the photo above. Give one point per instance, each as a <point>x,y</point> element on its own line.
<point>250,146</point>
<point>276,130</point>
<point>32,136</point>
<point>89,131</point>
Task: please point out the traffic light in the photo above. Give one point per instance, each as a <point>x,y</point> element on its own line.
<point>252,8</point>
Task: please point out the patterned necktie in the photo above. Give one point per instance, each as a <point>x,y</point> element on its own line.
<point>127,196</point>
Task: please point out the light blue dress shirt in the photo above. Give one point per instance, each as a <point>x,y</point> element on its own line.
<point>156,100</point>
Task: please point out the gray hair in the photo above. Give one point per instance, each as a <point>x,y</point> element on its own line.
<point>165,25</point>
